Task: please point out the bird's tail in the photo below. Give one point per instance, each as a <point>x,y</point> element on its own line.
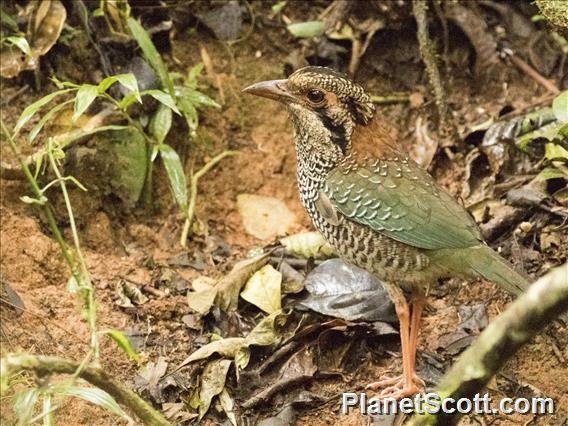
<point>484,262</point>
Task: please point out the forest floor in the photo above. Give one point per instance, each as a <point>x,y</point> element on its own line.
<point>136,246</point>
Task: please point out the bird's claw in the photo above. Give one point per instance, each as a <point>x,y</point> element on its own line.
<point>396,387</point>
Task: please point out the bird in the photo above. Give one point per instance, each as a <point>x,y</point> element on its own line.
<point>377,207</point>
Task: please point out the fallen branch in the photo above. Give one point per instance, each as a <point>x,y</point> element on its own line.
<point>193,192</point>
<point>447,125</point>
<point>543,302</point>
<point>49,365</point>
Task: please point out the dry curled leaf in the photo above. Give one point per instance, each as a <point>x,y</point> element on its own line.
<point>263,289</point>
<point>308,244</point>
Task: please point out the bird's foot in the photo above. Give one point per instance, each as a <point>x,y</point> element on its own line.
<point>397,387</point>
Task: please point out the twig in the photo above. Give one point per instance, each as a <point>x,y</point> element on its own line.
<point>390,99</point>
<point>49,365</point>
<point>544,301</point>
<point>532,73</point>
<point>193,192</point>
<point>267,393</point>
<point>447,125</point>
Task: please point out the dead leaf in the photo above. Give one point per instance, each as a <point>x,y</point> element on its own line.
<point>229,287</point>
<point>308,244</point>
<point>228,406</point>
<point>265,217</point>
<point>149,378</point>
<point>263,289</point>
<point>292,280</point>
<point>212,383</point>
<point>264,334</point>
<point>129,295</point>
<point>345,291</point>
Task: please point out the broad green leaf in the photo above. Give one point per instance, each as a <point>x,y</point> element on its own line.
<point>84,98</point>
<point>21,43</point>
<point>33,108</point>
<point>176,174</point>
<point>163,98</point>
<point>106,83</point>
<point>212,383</point>
<point>78,134</point>
<point>161,123</point>
<point>560,107</point>
<point>198,99</point>
<point>98,397</point>
<point>151,54</point>
<point>307,29</point>
<point>263,289</point>
<point>123,343</point>
<point>37,128</point>
<point>129,81</point>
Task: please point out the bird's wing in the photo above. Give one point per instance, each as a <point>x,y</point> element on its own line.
<point>399,199</point>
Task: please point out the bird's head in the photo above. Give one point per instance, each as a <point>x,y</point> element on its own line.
<point>325,106</point>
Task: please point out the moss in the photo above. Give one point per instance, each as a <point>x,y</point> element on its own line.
<point>555,11</point>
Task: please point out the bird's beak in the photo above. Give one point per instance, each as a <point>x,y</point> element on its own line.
<point>272,89</point>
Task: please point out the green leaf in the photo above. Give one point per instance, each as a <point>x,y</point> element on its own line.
<point>189,112</point>
<point>278,6</point>
<point>98,397</point>
<point>33,108</point>
<point>123,343</point>
<point>307,29</point>
<point>192,74</point>
<point>129,81</point>
<point>163,98</point>
<point>37,128</point>
<point>551,173</point>
<point>176,174</point>
<point>151,54</point>
<point>263,289</point>
<point>47,409</point>
<point>24,403</point>
<point>84,98</point>
<point>21,43</point>
<point>560,107</point>
<point>72,285</point>
<point>555,152</point>
<point>161,123</point>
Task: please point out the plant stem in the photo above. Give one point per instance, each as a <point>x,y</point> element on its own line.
<point>48,365</point>
<point>84,282</point>
<point>193,194</point>
<point>544,301</point>
<point>46,207</point>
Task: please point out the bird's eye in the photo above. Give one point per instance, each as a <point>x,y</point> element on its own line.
<point>315,96</point>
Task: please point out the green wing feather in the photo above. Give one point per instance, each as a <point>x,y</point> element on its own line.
<point>402,201</point>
